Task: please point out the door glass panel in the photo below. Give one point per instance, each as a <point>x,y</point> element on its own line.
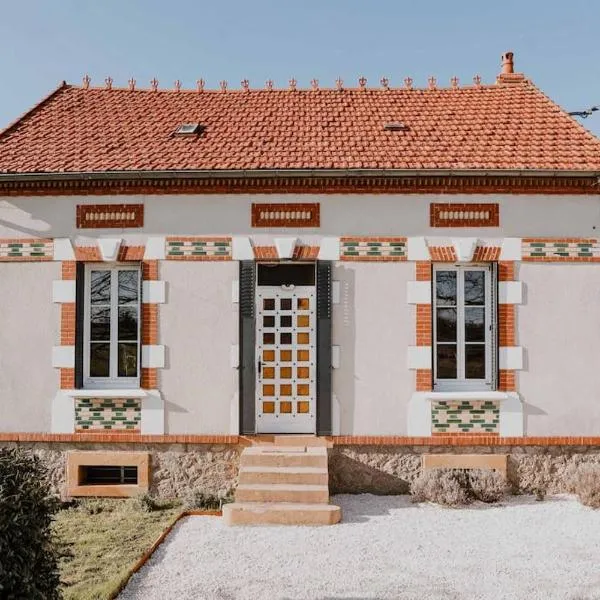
<point>285,407</point>
<point>303,303</point>
<point>474,324</point>
<point>302,355</point>
<point>445,288</point>
<point>269,321</point>
<point>268,390</point>
<point>303,321</point>
<point>446,325</point>
<point>303,338</point>
<point>128,323</point>
<point>268,407</point>
<point>128,286</point>
<point>303,406</point>
<point>268,338</point>
<point>269,304</point>
<point>475,361</point>
<point>100,323</point>
<point>446,361</point>
<point>474,287</point>
<point>285,389</point>
<point>285,355</point>
<point>303,389</point>
<point>303,372</point>
<point>285,321</point>
<point>285,338</point>
<point>286,304</point>
<point>128,354</point>
<point>100,287</point>
<point>285,372</point>
<point>268,355</point>
<point>99,360</point>
<point>268,372</point>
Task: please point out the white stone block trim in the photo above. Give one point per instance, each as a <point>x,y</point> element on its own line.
<point>511,411</point>
<point>63,357</point>
<point>512,423</point>
<point>285,247</point>
<point>62,419</point>
<point>510,357</point>
<point>510,292</point>
<point>329,248</point>
<point>465,248</point>
<point>241,248</point>
<point>155,248</point>
<point>335,357</point>
<point>511,249</point>
<point>419,357</point>
<point>63,249</point>
<point>154,292</point>
<point>152,413</point>
<point>153,357</point>
<point>63,291</point>
<point>416,249</point>
<point>418,292</point>
<point>109,248</point>
<point>335,292</point>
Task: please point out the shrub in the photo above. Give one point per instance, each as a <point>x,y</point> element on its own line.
<point>486,485</point>
<point>28,560</point>
<point>148,503</point>
<point>586,484</point>
<point>456,487</point>
<point>443,486</point>
<point>199,500</point>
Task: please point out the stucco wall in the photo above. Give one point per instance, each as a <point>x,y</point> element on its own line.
<point>373,325</point>
<point>198,324</point>
<point>28,331</point>
<point>559,328</point>
<point>341,214</point>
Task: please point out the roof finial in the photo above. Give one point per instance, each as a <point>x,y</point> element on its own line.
<point>154,84</point>
<point>508,65</point>
<point>223,85</point>
<point>362,83</point>
<point>454,82</point>
<point>293,84</point>
<point>339,84</point>
<point>269,85</point>
<point>408,83</point>
<point>385,83</point>
<point>86,82</point>
<point>131,84</point>
<point>314,84</point>
<point>245,85</point>
<point>432,83</point>
<point>108,81</point>
<point>177,85</point>
<point>477,80</point>
<point>200,85</point>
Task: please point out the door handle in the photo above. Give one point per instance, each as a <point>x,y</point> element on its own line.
<point>259,367</point>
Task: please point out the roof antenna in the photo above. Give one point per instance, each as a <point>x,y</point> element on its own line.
<point>584,114</point>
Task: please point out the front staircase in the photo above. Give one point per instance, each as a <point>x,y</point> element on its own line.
<point>282,484</point>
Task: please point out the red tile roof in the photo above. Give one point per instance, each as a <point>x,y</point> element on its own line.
<point>508,125</point>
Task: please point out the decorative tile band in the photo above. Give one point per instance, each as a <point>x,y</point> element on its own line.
<point>198,248</point>
<point>465,416</point>
<point>377,249</point>
<point>26,250</point>
<point>114,414</point>
<point>563,249</point>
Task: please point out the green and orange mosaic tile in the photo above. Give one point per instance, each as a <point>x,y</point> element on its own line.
<point>108,414</point>
<point>26,249</point>
<point>375,248</point>
<point>465,416</point>
<point>560,249</point>
<point>181,248</point>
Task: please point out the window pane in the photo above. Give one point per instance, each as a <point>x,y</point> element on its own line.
<point>99,360</point>
<point>128,323</point>
<point>445,288</point>
<point>474,324</point>
<point>475,361</point>
<point>446,361</point>
<point>446,325</point>
<point>100,287</point>
<point>128,286</point>
<point>475,287</point>
<point>100,323</point>
<point>128,360</point>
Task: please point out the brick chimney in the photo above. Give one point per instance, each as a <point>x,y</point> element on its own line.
<point>508,66</point>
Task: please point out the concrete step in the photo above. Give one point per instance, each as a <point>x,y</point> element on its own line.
<point>292,440</point>
<point>284,456</point>
<point>298,475</point>
<point>280,513</point>
<point>282,492</point>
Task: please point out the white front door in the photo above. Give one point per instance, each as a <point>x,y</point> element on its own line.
<point>286,359</point>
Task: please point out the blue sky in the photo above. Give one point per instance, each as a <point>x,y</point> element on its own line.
<point>45,41</point>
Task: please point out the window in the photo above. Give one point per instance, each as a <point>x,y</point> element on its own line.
<point>463,328</point>
<point>111,327</point>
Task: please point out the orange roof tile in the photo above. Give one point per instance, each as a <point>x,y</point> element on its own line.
<point>508,125</point>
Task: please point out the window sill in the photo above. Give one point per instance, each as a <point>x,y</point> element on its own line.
<point>107,393</point>
<point>469,395</point>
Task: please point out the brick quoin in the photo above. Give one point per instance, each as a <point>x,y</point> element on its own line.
<point>67,379</point>
<point>424,380</point>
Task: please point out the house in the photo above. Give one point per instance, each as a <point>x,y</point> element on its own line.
<point>399,270</point>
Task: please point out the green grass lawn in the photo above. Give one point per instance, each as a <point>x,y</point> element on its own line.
<point>100,540</point>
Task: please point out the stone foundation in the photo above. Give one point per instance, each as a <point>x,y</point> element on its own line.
<point>353,469</point>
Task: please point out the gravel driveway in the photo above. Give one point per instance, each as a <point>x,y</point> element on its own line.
<point>386,547</point>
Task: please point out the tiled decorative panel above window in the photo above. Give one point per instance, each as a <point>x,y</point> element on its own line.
<point>286,215</point>
<point>464,215</point>
<point>113,216</point>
